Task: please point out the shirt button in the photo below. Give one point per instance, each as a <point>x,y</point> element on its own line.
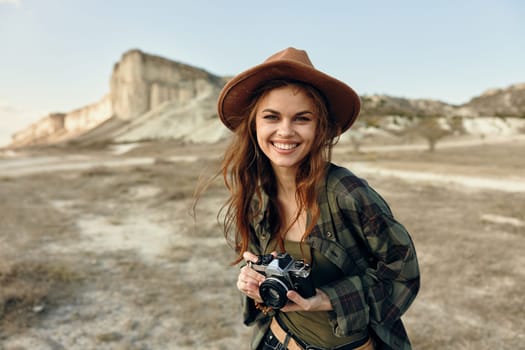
<point>329,234</point>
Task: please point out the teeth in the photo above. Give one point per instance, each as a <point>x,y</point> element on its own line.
<point>285,146</point>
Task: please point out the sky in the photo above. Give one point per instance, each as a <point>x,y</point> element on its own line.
<point>58,55</point>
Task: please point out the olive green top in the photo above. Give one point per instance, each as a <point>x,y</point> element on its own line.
<point>313,327</point>
<point>358,233</point>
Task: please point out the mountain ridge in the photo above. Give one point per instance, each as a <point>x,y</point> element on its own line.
<point>153,97</point>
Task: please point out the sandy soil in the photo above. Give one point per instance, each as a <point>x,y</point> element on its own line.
<point>99,249</point>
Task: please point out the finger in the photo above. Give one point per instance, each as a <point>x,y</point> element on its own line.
<point>249,256</point>
<point>290,307</point>
<point>250,274</point>
<point>247,285</point>
<point>256,277</point>
<point>296,298</point>
<point>249,289</point>
<point>241,286</point>
<point>249,280</point>
<point>296,302</point>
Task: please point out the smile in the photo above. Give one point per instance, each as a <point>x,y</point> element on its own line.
<point>285,146</point>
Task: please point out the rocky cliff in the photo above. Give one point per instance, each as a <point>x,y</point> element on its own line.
<point>152,97</point>
<point>40,131</point>
<point>140,84</point>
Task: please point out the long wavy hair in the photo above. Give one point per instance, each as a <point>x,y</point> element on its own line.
<point>247,173</point>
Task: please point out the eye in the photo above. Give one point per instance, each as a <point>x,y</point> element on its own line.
<point>303,118</point>
<point>270,117</point>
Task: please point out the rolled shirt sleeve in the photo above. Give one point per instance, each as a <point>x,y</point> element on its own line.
<point>381,290</point>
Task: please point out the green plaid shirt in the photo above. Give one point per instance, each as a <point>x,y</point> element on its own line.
<point>358,233</point>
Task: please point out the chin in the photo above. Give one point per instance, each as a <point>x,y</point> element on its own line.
<point>285,165</point>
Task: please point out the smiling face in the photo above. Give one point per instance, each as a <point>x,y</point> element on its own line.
<point>286,123</point>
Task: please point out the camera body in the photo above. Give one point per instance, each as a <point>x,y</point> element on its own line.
<point>283,273</point>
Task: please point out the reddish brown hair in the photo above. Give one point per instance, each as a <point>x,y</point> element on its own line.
<point>247,172</point>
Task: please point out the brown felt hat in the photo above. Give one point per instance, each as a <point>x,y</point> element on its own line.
<point>289,64</point>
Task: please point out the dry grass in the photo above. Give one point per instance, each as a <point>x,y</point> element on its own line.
<point>29,289</point>
<point>472,270</point>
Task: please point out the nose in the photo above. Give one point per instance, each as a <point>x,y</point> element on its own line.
<point>285,128</point>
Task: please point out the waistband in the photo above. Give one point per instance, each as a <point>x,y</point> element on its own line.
<point>293,343</point>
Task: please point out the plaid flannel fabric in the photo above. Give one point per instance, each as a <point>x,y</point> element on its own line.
<point>358,233</point>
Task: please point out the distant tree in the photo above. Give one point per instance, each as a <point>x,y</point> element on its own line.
<point>456,124</point>
<point>431,130</point>
<point>428,127</point>
<point>400,129</point>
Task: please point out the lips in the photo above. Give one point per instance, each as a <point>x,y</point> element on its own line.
<point>285,146</point>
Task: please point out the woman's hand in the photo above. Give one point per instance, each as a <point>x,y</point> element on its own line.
<point>319,302</point>
<point>249,280</point>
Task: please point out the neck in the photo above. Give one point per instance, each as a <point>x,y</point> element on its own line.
<point>286,186</point>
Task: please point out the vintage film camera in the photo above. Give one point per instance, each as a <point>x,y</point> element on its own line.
<point>283,273</point>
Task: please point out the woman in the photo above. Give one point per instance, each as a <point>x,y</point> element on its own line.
<point>287,196</point>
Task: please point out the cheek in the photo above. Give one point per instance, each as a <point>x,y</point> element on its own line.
<point>259,140</point>
<point>260,133</point>
<point>310,133</point>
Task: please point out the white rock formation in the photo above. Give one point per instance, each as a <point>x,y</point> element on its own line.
<point>143,86</point>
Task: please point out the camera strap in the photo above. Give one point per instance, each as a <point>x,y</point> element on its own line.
<point>286,340</point>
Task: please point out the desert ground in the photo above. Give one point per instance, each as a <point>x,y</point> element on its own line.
<point>100,247</point>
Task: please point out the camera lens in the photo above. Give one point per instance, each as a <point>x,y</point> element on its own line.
<point>273,292</point>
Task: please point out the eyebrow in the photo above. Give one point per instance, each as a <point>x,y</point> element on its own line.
<point>277,112</point>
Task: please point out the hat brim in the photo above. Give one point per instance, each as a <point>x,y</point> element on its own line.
<point>343,102</point>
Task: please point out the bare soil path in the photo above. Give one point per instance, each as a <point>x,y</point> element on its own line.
<point>99,249</point>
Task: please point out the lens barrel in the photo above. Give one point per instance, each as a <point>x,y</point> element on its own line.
<point>273,292</point>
